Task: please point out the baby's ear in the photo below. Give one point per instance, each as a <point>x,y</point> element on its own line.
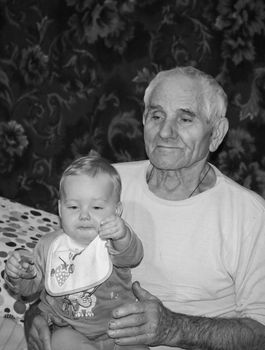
<point>59,207</point>
<point>119,209</point>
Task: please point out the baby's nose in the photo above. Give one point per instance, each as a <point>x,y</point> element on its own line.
<point>84,215</point>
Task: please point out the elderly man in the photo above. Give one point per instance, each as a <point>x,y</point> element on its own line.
<point>203,274</point>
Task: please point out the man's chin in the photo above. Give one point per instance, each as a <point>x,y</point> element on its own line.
<point>165,159</point>
<point>164,164</point>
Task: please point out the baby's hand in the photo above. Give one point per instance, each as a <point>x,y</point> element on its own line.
<point>20,265</point>
<point>113,228</point>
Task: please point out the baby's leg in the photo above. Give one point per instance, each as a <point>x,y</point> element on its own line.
<point>131,347</point>
<point>108,344</point>
<point>66,338</point>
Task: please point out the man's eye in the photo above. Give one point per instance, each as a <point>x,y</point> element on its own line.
<point>186,119</point>
<point>98,208</point>
<point>155,117</point>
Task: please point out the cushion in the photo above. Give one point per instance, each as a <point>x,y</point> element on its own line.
<point>20,227</point>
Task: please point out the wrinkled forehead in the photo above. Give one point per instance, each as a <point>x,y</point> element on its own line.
<point>176,93</point>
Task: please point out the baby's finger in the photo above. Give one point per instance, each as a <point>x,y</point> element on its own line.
<point>24,259</point>
<point>13,263</point>
<point>12,271</point>
<point>111,218</point>
<point>15,256</point>
<point>106,234</point>
<point>108,228</point>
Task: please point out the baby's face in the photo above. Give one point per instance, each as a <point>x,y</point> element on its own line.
<point>85,202</point>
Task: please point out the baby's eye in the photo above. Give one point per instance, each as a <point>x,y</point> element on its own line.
<point>72,207</point>
<point>97,207</point>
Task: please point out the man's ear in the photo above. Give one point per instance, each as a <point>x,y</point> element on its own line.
<point>219,131</point>
<point>144,117</point>
<point>119,209</point>
<point>59,207</point>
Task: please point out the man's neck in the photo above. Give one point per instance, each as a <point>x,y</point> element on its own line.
<point>180,184</point>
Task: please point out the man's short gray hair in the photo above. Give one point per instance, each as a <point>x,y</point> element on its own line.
<point>213,96</point>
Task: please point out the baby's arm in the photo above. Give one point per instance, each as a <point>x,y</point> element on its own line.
<point>125,247</point>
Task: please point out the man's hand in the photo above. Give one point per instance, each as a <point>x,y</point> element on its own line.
<point>39,337</point>
<point>143,322</point>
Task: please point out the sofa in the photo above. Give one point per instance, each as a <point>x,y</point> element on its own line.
<point>20,228</point>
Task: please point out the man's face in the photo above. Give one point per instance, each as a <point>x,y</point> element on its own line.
<point>176,133</point>
<point>85,202</point>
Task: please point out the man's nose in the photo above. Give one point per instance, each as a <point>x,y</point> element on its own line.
<point>168,129</point>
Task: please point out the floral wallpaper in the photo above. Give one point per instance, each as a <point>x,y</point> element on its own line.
<point>73,73</point>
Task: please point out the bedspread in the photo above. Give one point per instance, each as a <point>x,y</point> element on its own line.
<point>20,227</point>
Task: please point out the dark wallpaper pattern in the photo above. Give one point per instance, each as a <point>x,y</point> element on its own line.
<point>73,73</point>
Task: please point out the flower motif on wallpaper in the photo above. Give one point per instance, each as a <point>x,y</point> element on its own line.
<point>143,78</point>
<point>87,142</point>
<point>237,158</point>
<point>34,66</point>
<point>255,105</point>
<point>240,21</point>
<point>73,75</point>
<point>118,40</point>
<point>125,137</point>
<point>105,20</point>
<point>260,85</point>
<point>13,143</point>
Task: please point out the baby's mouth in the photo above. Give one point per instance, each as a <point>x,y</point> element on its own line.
<point>86,228</point>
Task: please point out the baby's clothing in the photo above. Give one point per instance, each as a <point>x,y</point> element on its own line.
<point>72,276</point>
<point>87,307</point>
<point>67,339</point>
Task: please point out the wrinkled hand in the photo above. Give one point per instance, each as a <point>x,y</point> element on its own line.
<point>144,322</point>
<point>39,337</point>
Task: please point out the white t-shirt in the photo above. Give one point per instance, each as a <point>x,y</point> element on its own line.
<point>204,255</point>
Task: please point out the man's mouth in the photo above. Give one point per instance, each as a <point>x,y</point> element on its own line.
<point>168,147</point>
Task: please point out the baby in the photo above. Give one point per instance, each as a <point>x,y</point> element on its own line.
<point>82,271</point>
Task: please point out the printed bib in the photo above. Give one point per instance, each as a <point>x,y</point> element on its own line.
<point>71,269</point>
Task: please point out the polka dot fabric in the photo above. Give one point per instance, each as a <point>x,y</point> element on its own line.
<point>20,227</point>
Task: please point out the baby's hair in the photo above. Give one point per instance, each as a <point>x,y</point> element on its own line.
<point>92,166</point>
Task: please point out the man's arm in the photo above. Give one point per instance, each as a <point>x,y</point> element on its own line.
<point>216,333</point>
<point>149,322</point>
